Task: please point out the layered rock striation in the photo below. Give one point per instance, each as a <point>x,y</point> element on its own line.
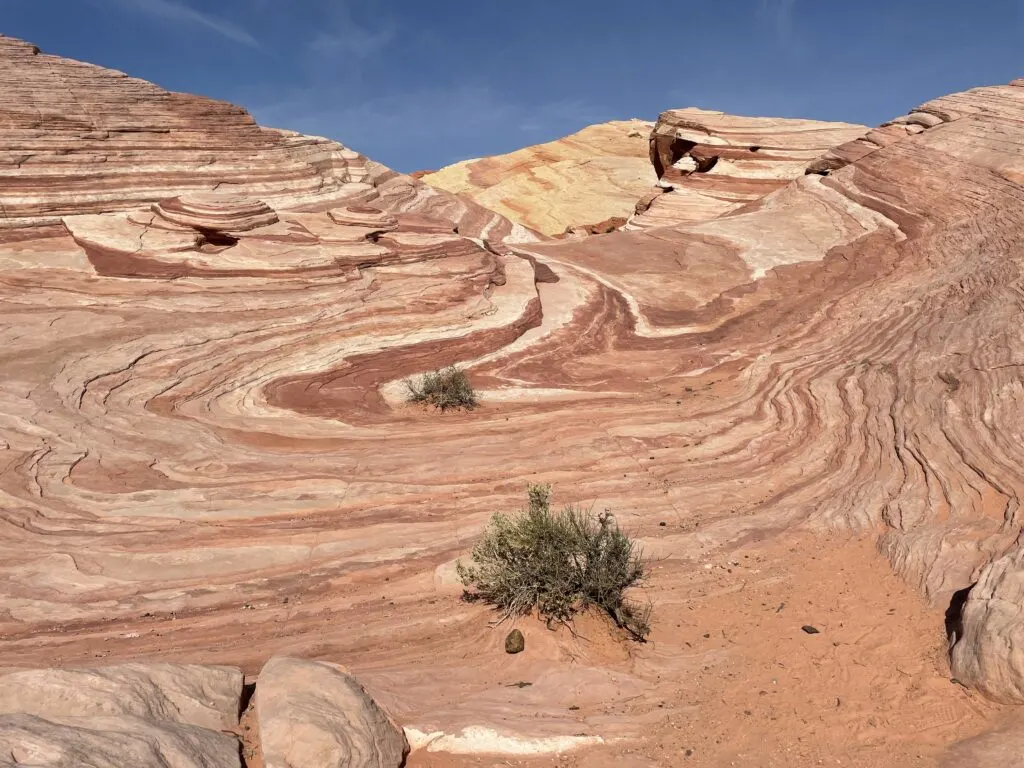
<point>80,139</point>
<point>206,452</point>
<point>589,177</point>
<point>709,163</point>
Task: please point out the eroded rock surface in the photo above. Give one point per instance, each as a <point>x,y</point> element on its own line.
<point>145,715</point>
<point>710,163</point>
<point>207,697</point>
<point>989,633</point>
<point>205,452</point>
<point>81,139</point>
<point>112,742</point>
<point>314,714</point>
<point>592,176</point>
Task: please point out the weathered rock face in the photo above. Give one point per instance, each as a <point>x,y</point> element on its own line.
<point>81,139</point>
<point>314,714</point>
<point>710,163</point>
<point>989,649</point>
<point>112,742</point>
<point>205,450</point>
<point>159,716</point>
<point>591,176</point>
<point>207,697</point>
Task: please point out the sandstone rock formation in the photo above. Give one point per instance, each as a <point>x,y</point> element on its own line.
<point>589,177</point>
<point>989,634</point>
<point>710,163</point>
<point>81,139</point>
<point>111,742</point>
<point>205,452</point>
<point>207,697</point>
<point>313,714</point>
<point>928,210</point>
<point>308,715</point>
<point>159,716</point>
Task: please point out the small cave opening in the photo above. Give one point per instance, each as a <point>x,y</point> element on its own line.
<point>705,163</point>
<point>755,148</point>
<point>667,151</point>
<point>954,618</point>
<point>217,239</point>
<point>248,691</point>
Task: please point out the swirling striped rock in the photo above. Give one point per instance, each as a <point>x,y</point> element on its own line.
<point>904,389</point>
<point>206,452</point>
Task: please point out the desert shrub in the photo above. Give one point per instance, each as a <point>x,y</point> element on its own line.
<point>558,563</point>
<point>444,388</point>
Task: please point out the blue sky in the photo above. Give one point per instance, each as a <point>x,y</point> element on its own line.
<point>418,83</point>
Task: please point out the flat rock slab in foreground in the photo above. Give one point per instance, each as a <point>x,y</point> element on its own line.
<point>160,715</point>
<point>314,714</point>
<point>112,742</point>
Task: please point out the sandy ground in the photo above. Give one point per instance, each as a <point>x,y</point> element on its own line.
<point>728,678</point>
<point>734,680</point>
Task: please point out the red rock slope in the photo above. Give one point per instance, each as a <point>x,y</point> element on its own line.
<point>205,453</point>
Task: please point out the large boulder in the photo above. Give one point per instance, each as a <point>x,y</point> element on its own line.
<point>142,715</point>
<point>316,715</point>
<point>989,649</point>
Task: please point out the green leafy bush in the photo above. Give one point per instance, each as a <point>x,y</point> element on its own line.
<point>558,563</point>
<point>444,388</point>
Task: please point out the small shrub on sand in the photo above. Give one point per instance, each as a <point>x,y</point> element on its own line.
<point>558,563</point>
<point>444,388</point>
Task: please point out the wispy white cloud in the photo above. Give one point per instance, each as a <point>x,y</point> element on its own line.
<point>342,35</point>
<point>433,126</point>
<point>780,14</point>
<point>184,14</point>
